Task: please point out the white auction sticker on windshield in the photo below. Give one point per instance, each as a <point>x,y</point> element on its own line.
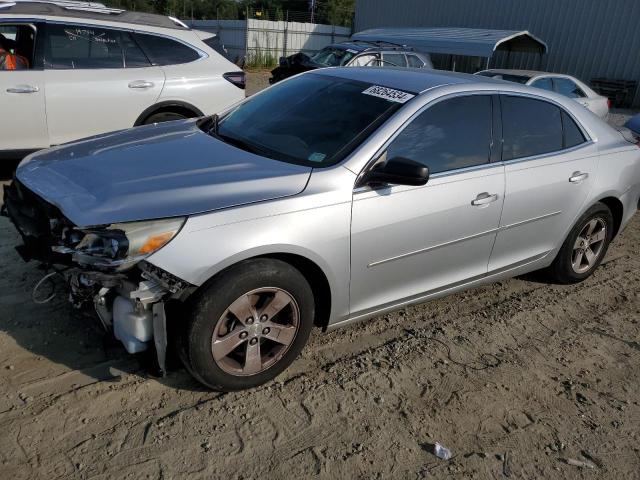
<point>390,94</point>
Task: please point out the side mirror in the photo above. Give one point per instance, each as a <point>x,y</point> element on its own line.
<point>397,171</point>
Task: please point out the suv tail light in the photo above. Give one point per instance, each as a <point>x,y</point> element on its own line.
<point>237,78</point>
<point>609,103</point>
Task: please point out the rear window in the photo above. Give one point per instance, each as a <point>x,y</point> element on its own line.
<point>394,60</point>
<point>165,51</point>
<point>505,76</point>
<point>566,87</point>
<point>415,61</point>
<point>82,47</point>
<point>530,127</point>
<point>313,120</point>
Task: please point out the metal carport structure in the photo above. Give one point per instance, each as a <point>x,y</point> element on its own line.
<point>473,42</point>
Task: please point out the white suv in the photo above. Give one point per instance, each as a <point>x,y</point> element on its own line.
<point>95,69</point>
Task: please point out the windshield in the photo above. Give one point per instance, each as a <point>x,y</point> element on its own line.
<point>333,57</point>
<point>505,76</point>
<point>313,120</point>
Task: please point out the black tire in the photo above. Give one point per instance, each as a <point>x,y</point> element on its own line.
<point>210,314</point>
<point>562,269</point>
<point>164,117</point>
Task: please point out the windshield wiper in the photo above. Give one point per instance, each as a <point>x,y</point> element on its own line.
<point>241,144</point>
<point>215,123</point>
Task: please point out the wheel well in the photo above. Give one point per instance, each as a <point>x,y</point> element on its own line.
<point>617,210</point>
<point>317,280</point>
<point>312,273</point>
<point>185,109</point>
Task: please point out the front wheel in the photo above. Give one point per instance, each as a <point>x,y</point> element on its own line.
<point>249,324</point>
<point>585,246</point>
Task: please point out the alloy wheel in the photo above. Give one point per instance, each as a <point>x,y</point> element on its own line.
<point>255,331</point>
<point>589,245</point>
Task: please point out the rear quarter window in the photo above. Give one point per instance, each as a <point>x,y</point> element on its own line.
<point>165,51</point>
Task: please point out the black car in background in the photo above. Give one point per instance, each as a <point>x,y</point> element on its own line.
<point>351,54</point>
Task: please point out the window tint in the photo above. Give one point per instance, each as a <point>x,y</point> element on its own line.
<point>164,51</point>
<point>414,61</point>
<point>529,127</point>
<point>334,57</point>
<point>134,57</point>
<point>82,47</point>
<point>572,134</point>
<point>328,119</point>
<point>567,88</point>
<point>452,134</point>
<point>394,60</point>
<point>364,61</point>
<point>19,41</point>
<point>543,83</point>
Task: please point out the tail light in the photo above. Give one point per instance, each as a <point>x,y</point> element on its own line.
<point>609,103</point>
<point>237,78</point>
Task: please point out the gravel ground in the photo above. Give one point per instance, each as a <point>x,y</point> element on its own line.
<point>519,379</point>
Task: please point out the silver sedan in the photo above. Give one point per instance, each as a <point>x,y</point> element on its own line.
<point>565,85</point>
<point>330,198</point>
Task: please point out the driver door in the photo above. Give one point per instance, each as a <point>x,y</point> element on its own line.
<point>23,123</point>
<point>407,242</point>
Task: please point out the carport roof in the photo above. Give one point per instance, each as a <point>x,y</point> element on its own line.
<point>456,41</point>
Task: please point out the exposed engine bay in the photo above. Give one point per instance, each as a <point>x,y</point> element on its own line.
<point>103,268</point>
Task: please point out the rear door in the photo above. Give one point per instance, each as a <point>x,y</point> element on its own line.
<point>393,59</point>
<point>98,80</point>
<point>23,123</point>
<point>549,169</point>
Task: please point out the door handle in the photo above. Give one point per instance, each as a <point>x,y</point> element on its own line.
<point>140,84</point>
<point>578,177</point>
<point>484,198</point>
<point>23,89</point>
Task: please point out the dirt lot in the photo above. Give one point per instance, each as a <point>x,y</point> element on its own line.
<point>518,379</point>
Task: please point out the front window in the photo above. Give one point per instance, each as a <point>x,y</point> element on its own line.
<point>450,135</point>
<point>314,120</point>
<point>333,57</point>
<point>17,44</point>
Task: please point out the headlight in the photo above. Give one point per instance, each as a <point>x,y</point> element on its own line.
<point>123,244</point>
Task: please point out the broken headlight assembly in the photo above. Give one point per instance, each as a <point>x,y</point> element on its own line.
<point>122,245</point>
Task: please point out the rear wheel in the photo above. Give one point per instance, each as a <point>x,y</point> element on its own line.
<point>249,324</point>
<point>164,117</point>
<point>585,246</point>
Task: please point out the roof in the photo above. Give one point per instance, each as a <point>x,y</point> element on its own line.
<point>457,41</point>
<point>521,73</point>
<point>362,46</point>
<point>406,79</point>
<point>87,10</point>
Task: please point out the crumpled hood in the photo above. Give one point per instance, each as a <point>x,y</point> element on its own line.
<point>164,170</point>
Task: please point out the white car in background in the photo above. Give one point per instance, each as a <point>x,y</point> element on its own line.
<point>563,84</point>
<point>95,69</point>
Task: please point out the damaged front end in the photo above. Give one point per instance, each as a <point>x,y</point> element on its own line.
<point>104,267</point>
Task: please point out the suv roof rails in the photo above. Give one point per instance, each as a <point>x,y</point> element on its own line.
<point>91,9</point>
<point>96,7</point>
<point>383,44</point>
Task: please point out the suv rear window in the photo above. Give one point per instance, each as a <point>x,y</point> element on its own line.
<point>165,51</point>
